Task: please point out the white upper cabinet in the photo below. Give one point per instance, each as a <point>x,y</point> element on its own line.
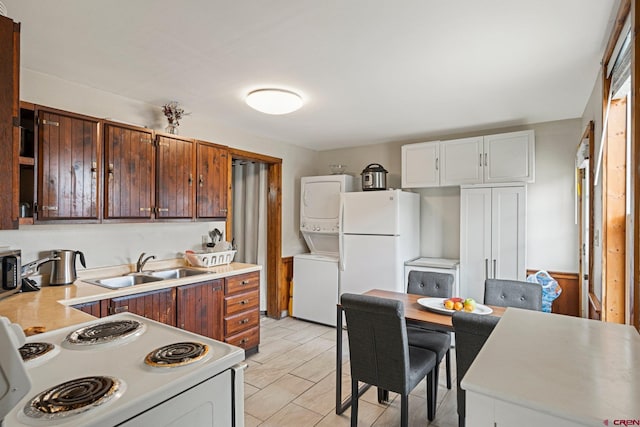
<point>421,165</point>
<point>507,157</point>
<point>462,161</point>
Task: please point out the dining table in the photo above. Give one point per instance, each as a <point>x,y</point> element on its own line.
<point>438,320</point>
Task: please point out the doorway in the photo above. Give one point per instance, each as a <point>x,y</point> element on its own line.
<point>276,288</point>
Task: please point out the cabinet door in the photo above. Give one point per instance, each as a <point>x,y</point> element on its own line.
<point>93,308</point>
<point>211,199</point>
<point>509,157</point>
<point>462,161</point>
<point>199,308</point>
<point>475,241</point>
<point>67,166</point>
<point>156,305</point>
<point>420,165</point>
<point>129,171</point>
<point>9,131</point>
<point>508,208</point>
<point>175,195</point>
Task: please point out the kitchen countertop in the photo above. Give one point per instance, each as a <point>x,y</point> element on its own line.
<point>51,306</point>
<point>582,370</point>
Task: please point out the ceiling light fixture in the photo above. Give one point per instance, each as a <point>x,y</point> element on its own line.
<point>274,101</point>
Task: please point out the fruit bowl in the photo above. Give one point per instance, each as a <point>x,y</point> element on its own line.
<point>437,305</point>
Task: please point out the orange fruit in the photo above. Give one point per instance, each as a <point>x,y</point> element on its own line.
<point>457,306</point>
<point>448,304</point>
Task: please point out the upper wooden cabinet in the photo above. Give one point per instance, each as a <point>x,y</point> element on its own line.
<point>129,165</point>
<point>175,186</point>
<point>507,157</point>
<point>212,181</point>
<point>68,166</point>
<point>9,129</point>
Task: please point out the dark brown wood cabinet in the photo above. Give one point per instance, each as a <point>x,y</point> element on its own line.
<point>129,165</point>
<point>93,308</point>
<point>68,169</point>
<point>175,186</point>
<point>212,187</point>
<point>157,305</point>
<point>199,308</point>
<point>242,310</point>
<point>9,121</point>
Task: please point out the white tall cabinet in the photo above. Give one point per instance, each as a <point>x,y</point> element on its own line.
<point>492,236</point>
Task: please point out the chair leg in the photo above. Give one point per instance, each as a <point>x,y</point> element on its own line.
<point>404,410</point>
<point>460,421</point>
<point>383,395</point>
<point>448,367</point>
<point>431,398</point>
<point>354,403</point>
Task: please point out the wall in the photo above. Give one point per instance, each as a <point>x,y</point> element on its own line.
<point>104,244</point>
<point>552,238</point>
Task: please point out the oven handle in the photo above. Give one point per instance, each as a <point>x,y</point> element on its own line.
<point>237,375</point>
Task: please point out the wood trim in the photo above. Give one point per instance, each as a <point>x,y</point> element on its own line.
<point>595,308</point>
<point>277,293</point>
<point>247,155</point>
<point>621,17</point>
<point>569,300</point>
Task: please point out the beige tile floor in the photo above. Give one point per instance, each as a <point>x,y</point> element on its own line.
<point>291,382</point>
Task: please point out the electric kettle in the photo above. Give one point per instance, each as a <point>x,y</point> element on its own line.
<point>63,271</point>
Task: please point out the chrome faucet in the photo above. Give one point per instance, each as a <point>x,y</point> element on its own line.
<point>141,262</point>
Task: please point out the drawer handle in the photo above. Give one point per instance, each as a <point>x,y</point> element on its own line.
<point>244,301</point>
<point>245,282</point>
<point>243,322</point>
<point>121,309</point>
<point>244,340</point>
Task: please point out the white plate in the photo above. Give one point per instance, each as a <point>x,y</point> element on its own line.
<point>437,305</point>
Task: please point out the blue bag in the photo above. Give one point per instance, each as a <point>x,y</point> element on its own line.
<point>550,288</point>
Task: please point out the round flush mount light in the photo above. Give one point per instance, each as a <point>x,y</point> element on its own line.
<point>274,101</point>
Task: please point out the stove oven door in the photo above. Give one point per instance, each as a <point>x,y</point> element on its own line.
<point>210,403</point>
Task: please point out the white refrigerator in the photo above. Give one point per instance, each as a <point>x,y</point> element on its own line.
<point>379,231</point>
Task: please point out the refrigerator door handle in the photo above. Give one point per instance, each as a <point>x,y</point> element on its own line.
<point>341,235</point>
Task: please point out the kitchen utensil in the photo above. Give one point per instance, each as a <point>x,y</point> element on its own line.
<point>216,236</point>
<point>10,282</point>
<point>374,177</point>
<point>63,271</point>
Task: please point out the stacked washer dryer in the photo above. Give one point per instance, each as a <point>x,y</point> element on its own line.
<point>315,274</point>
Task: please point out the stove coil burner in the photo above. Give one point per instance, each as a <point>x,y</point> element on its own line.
<point>105,332</point>
<point>72,397</point>
<point>177,354</point>
<point>32,350</point>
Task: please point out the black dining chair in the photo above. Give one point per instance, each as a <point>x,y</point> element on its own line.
<point>439,285</point>
<point>472,331</point>
<point>380,354</point>
<point>513,293</point>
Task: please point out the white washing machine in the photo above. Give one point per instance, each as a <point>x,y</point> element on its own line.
<point>315,288</point>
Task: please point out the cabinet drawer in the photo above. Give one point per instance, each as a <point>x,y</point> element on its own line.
<point>247,339</point>
<point>241,302</point>
<point>242,283</point>
<point>241,321</point>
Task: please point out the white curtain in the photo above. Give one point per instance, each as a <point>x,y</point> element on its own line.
<point>249,193</point>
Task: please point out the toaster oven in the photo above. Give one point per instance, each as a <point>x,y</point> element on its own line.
<point>11,272</point>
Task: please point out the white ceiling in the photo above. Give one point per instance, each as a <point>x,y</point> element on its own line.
<point>370,71</point>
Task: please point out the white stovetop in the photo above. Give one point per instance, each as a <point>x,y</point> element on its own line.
<point>578,369</point>
<point>145,386</point>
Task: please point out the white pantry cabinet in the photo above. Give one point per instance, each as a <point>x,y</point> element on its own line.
<point>421,165</point>
<point>506,157</point>
<point>492,236</point>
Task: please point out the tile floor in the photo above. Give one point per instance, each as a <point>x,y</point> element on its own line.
<point>291,382</point>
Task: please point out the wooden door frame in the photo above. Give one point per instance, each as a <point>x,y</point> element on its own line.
<point>592,301</point>
<point>635,171</point>
<point>277,292</point>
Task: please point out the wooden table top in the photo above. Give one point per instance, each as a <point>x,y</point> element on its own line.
<point>414,311</point>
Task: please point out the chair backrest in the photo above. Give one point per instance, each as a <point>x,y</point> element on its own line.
<point>378,349</point>
<point>430,283</point>
<point>513,293</point>
<point>472,330</point>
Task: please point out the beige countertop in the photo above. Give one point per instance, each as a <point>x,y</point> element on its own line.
<point>581,370</point>
<point>51,306</point>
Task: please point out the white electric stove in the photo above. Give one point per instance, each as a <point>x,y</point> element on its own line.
<point>126,370</point>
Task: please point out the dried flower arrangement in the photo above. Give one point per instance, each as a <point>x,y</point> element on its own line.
<point>173,113</point>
